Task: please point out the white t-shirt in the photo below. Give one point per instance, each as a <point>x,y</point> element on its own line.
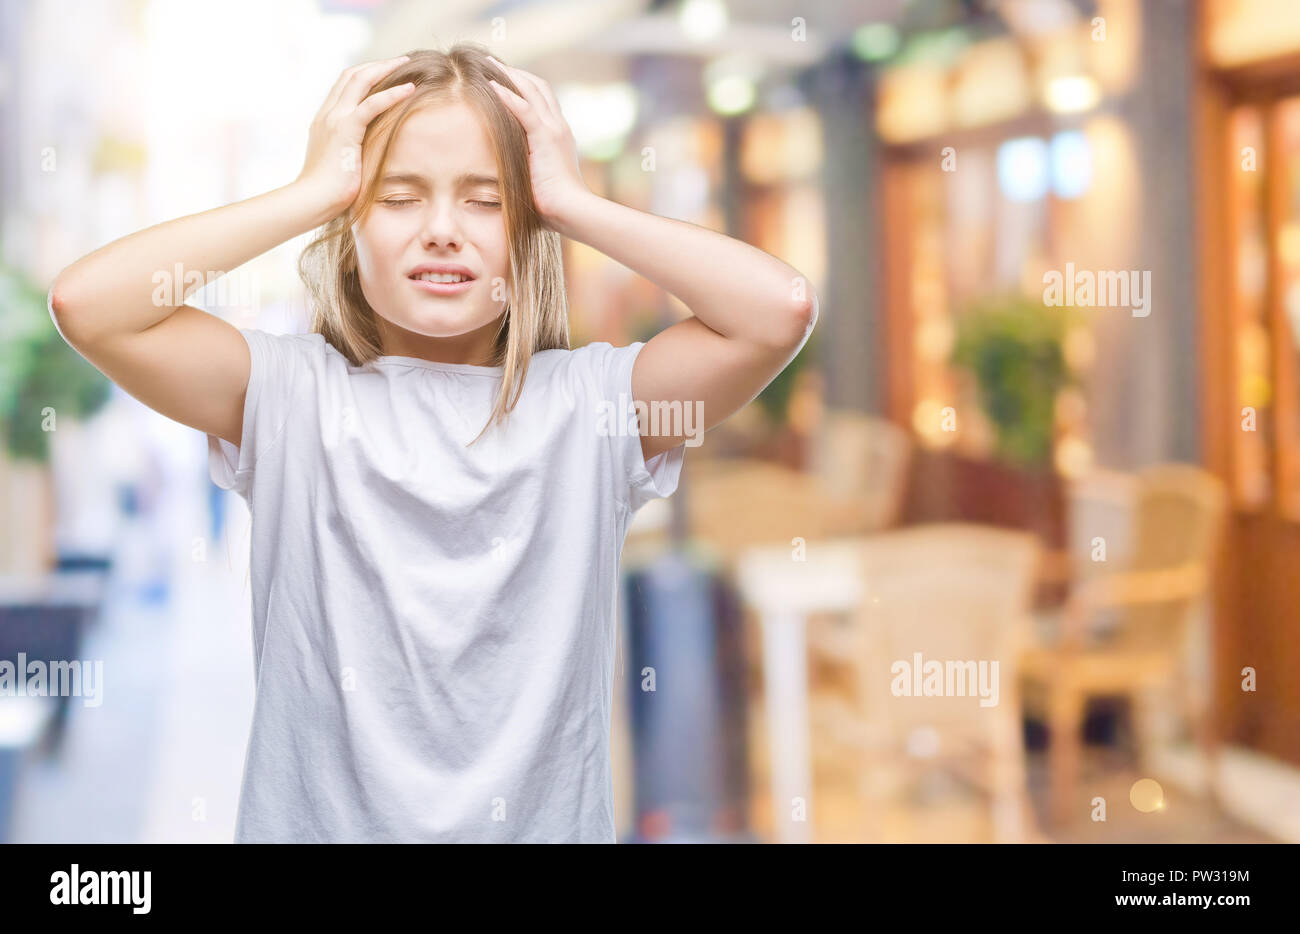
<point>433,625</point>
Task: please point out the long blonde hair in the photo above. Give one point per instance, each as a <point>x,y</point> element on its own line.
<point>536,315</point>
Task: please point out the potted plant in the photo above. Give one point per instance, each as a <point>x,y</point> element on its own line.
<point>42,380</point>
<point>786,444</point>
<point>1013,349</point>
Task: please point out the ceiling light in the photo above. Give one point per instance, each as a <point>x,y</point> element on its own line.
<point>875,42</point>
<point>702,20</point>
<point>1070,94</point>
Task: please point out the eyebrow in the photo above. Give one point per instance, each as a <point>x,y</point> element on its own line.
<point>419,181</point>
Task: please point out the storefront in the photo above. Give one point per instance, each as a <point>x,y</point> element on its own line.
<point>1009,163</point>
<point>1249,269</point>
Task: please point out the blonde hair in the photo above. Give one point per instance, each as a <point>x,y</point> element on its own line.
<point>536,314</point>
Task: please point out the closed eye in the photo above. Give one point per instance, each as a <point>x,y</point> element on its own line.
<point>486,204</point>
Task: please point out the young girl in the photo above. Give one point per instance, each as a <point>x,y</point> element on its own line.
<point>440,487</point>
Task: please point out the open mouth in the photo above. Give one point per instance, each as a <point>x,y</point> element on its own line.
<point>444,277</point>
<point>442,283</point>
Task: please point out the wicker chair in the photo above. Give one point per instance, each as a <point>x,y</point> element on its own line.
<point>953,592</point>
<point>1125,632</point>
<point>861,463</point>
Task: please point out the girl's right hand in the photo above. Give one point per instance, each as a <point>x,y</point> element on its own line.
<point>332,169</point>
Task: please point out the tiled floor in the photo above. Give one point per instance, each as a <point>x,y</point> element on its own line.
<point>161,759</point>
<point>955,815</point>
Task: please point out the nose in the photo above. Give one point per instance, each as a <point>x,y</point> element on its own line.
<point>440,226</point>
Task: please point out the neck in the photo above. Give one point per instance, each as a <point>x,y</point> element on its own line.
<point>474,348</point>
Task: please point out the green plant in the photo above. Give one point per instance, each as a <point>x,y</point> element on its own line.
<point>775,397</point>
<point>39,372</point>
<point>1014,349</point>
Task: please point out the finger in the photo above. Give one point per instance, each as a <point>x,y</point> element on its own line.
<point>551,100</point>
<point>366,77</point>
<point>359,85</point>
<point>517,76</point>
<point>333,97</point>
<point>519,106</point>
<point>538,97</point>
<point>533,95</point>
<point>336,92</point>
<point>381,100</point>
<point>537,91</point>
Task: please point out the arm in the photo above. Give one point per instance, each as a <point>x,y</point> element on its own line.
<point>751,312</point>
<point>177,359</point>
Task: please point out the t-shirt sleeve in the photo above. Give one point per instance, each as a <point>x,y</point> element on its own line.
<point>637,480</point>
<point>273,376</point>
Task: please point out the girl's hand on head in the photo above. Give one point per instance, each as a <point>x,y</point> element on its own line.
<point>332,168</point>
<point>552,150</point>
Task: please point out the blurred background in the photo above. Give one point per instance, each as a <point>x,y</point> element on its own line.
<point>1004,555</point>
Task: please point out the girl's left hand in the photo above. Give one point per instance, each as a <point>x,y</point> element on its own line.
<point>552,150</point>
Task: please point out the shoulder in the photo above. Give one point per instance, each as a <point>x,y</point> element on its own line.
<point>305,344</point>
<point>288,354</point>
<point>598,366</point>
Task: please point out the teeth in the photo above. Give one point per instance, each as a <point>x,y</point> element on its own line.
<point>442,277</point>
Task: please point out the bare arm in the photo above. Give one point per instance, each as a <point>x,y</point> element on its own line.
<point>751,312</point>
<point>177,359</point>
<point>121,309</point>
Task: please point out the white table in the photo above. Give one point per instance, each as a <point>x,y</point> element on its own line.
<point>784,591</point>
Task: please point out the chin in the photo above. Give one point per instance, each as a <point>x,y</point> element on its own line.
<point>447,323</point>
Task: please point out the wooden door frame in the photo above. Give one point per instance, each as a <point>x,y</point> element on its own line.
<point>1258,541</point>
<point>1218,92</point>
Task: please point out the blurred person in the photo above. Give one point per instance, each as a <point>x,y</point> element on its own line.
<point>87,514</point>
<point>439,492</point>
<point>142,552</point>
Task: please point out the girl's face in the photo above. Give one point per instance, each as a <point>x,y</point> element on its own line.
<point>437,210</point>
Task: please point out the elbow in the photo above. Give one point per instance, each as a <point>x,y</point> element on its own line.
<point>806,315</point>
<point>59,306</point>
<point>58,301</point>
<point>799,319</point>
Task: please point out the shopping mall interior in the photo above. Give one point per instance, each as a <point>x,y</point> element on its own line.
<point>1003,554</point>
